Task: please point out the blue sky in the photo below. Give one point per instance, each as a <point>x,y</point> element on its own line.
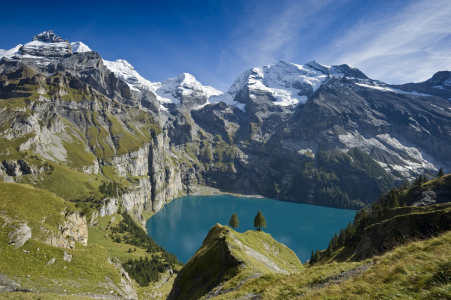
<point>393,41</point>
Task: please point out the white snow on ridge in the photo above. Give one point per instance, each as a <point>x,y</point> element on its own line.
<point>387,89</point>
<point>127,72</point>
<point>284,81</point>
<point>185,84</point>
<point>11,52</point>
<point>167,91</point>
<point>79,47</point>
<point>36,46</point>
<point>226,98</point>
<point>395,146</point>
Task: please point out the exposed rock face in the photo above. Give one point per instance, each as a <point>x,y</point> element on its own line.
<point>165,179</point>
<point>126,289</point>
<point>386,235</point>
<point>266,135</point>
<point>134,163</point>
<point>48,36</point>
<point>74,229</point>
<point>439,85</point>
<point>20,235</point>
<point>20,167</point>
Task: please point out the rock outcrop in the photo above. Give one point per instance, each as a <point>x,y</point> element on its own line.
<point>281,131</point>
<point>74,229</point>
<point>414,223</point>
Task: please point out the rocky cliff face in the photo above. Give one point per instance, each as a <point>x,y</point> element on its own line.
<point>413,224</point>
<point>300,133</point>
<point>74,229</point>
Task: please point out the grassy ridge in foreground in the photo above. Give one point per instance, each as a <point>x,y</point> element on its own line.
<point>228,258</point>
<point>419,270</point>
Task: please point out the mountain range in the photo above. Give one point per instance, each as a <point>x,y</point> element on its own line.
<point>300,133</point>
<point>94,147</point>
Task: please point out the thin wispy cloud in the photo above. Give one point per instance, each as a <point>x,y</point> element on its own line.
<point>268,35</point>
<point>408,45</point>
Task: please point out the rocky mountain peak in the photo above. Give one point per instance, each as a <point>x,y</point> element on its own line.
<point>319,67</point>
<point>183,89</point>
<point>48,36</point>
<point>443,78</point>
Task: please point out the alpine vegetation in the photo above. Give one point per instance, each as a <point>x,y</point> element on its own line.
<point>90,149</point>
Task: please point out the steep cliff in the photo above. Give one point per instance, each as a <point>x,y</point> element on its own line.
<point>301,133</point>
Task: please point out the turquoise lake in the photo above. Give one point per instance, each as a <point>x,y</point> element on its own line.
<point>181,225</point>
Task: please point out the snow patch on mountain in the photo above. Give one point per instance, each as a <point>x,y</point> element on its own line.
<point>226,98</point>
<point>414,161</point>
<point>387,89</point>
<point>11,52</point>
<point>127,72</point>
<point>38,50</point>
<point>168,91</point>
<point>79,47</point>
<point>48,36</point>
<point>287,83</point>
<point>184,85</point>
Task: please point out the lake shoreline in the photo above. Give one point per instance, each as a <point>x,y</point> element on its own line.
<point>183,223</point>
<point>209,191</point>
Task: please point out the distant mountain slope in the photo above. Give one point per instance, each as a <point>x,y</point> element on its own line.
<point>302,133</point>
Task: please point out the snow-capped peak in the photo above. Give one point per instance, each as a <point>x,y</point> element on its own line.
<point>287,83</point>
<point>79,47</point>
<point>48,36</point>
<point>176,90</point>
<point>127,72</point>
<point>173,90</point>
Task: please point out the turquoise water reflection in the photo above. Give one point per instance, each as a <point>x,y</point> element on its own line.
<point>181,226</point>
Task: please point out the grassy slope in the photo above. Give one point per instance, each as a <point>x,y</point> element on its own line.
<point>409,215</point>
<point>67,183</point>
<point>419,270</point>
<point>41,209</point>
<point>100,235</point>
<point>222,260</point>
<point>416,270</point>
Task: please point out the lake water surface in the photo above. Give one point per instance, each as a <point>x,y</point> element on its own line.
<point>181,225</point>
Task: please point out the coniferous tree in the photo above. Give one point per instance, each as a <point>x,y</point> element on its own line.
<point>394,203</point>
<point>425,178</point>
<point>341,237</point>
<point>312,258</point>
<point>317,256</point>
<point>329,249</point>
<point>440,173</point>
<point>419,181</point>
<point>234,223</point>
<point>259,221</point>
<point>335,241</point>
